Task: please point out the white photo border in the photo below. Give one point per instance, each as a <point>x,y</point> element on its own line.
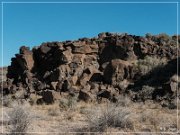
<point>2,42</point>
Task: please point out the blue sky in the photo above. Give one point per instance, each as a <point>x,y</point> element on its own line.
<point>32,24</point>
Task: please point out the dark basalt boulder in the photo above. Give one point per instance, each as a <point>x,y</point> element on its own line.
<point>117,71</point>
<point>84,96</point>
<point>47,97</point>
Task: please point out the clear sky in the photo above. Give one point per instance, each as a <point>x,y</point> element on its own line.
<point>32,24</point>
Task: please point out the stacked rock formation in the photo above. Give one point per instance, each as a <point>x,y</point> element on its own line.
<point>92,68</point>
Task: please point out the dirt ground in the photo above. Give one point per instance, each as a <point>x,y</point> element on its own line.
<point>145,118</point>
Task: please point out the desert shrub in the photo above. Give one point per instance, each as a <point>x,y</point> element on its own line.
<point>68,103</point>
<point>123,101</point>
<point>163,37</point>
<point>19,121</point>
<point>148,36</point>
<point>52,112</point>
<point>146,92</point>
<point>83,110</point>
<point>9,101</point>
<point>100,120</point>
<point>149,63</point>
<point>6,101</point>
<point>33,99</point>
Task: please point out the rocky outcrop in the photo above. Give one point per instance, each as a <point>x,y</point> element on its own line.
<point>92,68</point>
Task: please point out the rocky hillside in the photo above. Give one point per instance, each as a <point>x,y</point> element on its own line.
<point>97,69</point>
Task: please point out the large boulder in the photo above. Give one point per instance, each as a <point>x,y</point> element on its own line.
<point>117,71</point>
<point>84,96</point>
<point>47,97</point>
<point>81,48</point>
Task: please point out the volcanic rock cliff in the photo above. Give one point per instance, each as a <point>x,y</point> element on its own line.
<point>95,69</point>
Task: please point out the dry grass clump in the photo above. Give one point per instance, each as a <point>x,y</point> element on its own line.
<point>124,116</point>
<point>149,63</point>
<point>68,103</point>
<point>146,92</point>
<point>19,121</point>
<point>53,112</point>
<point>124,101</point>
<point>33,99</point>
<point>100,120</point>
<point>157,120</point>
<point>6,101</point>
<point>9,101</point>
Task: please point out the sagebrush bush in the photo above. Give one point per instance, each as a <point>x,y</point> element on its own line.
<point>164,37</point>
<point>53,111</point>
<point>100,120</point>
<point>123,101</point>
<point>68,103</point>
<point>149,63</point>
<point>19,121</point>
<point>148,36</point>
<point>6,101</point>
<point>146,92</point>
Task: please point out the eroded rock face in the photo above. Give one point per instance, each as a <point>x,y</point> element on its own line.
<point>100,67</point>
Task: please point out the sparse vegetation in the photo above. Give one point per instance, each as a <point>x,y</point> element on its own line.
<point>123,101</point>
<point>6,101</point>
<point>163,37</point>
<point>68,103</point>
<point>149,63</point>
<point>123,116</point>
<point>148,36</point>
<point>19,121</point>
<point>146,92</point>
<point>53,111</point>
<point>101,119</point>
